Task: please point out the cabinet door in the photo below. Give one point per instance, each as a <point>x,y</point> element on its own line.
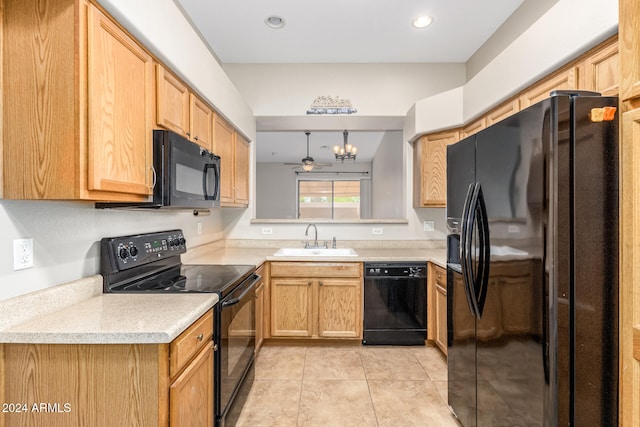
<point>430,169</point>
<point>601,71</point>
<point>223,142</point>
<point>441,316</point>
<point>172,102</point>
<point>191,394</point>
<point>291,307</point>
<point>339,308</point>
<point>201,122</point>
<point>503,111</point>
<point>241,175</point>
<point>567,79</point>
<point>119,109</point>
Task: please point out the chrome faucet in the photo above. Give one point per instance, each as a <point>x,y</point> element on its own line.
<point>315,241</point>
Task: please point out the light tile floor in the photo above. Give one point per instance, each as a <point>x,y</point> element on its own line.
<point>348,385</point>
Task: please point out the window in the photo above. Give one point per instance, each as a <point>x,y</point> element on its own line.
<point>338,199</point>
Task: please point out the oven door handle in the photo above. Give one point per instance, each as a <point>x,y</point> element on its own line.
<point>234,301</point>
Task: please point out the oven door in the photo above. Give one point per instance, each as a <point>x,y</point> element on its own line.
<point>236,332</point>
<point>189,174</point>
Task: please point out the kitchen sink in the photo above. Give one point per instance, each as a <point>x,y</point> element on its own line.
<point>315,252</point>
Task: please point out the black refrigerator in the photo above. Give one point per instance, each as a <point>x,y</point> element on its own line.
<point>532,267</point>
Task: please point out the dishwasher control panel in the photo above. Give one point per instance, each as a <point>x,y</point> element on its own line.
<point>401,269</point>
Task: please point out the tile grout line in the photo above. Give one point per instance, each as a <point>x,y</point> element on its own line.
<point>366,378</point>
<point>304,365</point>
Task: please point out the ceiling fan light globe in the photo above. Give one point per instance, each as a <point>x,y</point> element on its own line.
<point>307,167</point>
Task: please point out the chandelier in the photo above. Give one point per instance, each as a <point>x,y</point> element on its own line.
<point>347,151</point>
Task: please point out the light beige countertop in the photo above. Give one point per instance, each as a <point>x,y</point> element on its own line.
<point>97,318</point>
<point>257,256</point>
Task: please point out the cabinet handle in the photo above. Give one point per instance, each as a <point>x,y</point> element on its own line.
<point>189,134</point>
<point>309,283</point>
<point>321,283</point>
<point>200,337</point>
<point>196,137</point>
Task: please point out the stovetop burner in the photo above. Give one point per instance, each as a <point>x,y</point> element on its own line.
<point>157,268</point>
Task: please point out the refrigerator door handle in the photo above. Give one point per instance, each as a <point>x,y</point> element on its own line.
<point>484,253</point>
<point>465,248</point>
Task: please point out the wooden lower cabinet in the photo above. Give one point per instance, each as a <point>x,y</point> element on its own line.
<point>316,300</point>
<point>260,307</point>
<point>104,385</point>
<point>437,306</point>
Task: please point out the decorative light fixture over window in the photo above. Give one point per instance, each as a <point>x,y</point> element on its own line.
<point>347,151</point>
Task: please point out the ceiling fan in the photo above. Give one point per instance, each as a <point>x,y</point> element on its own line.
<point>308,163</point>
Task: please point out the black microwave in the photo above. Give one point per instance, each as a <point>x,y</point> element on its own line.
<point>186,175</point>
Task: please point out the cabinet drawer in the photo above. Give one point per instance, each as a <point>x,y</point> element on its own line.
<point>441,277</point>
<point>184,347</point>
<point>315,269</point>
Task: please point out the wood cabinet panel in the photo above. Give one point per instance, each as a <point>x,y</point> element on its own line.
<point>566,79</point>
<point>315,269</point>
<point>241,170</point>
<point>191,394</point>
<point>316,300</point>
<point>185,346</point>
<point>104,385</point>
<point>441,315</point>
<point>437,301</point>
<point>629,45</point>
<point>338,308</point>
<point>119,109</point>
<point>474,127</point>
<point>223,146</point>
<point>172,102</point>
<point>85,133</point>
<point>503,111</point>
<point>601,70</point>
<point>629,256</point>
<point>430,169</point>
<point>291,307</point>
<point>201,122</point>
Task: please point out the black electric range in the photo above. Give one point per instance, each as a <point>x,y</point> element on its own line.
<point>151,263</point>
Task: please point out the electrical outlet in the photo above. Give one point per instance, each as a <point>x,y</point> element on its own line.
<point>199,228</point>
<point>267,230</point>
<point>429,225</point>
<point>22,254</point>
<point>377,231</point>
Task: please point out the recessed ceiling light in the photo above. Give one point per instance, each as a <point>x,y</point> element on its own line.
<point>275,22</point>
<point>421,21</point>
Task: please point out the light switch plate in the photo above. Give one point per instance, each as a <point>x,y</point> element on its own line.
<point>22,253</point>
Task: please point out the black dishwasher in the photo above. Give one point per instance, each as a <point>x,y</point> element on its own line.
<point>395,303</point>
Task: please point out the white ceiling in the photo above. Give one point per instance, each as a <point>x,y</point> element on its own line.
<point>346,31</point>
<point>289,147</point>
<point>340,31</point>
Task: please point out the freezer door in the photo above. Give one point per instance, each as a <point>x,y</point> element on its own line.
<point>510,337</point>
<point>461,347</point>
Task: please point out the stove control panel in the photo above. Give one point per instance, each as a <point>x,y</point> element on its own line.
<point>122,253</point>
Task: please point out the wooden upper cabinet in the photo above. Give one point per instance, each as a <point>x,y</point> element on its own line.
<point>503,111</point>
<point>474,127</point>
<point>200,122</point>
<point>181,111</point>
<point>223,142</point>
<point>172,102</point>
<point>234,152</point>
<point>85,132</point>
<point>565,79</point>
<point>430,169</point>
<point>629,45</point>
<point>120,80</point>
<point>241,176</point>
<point>601,70</point>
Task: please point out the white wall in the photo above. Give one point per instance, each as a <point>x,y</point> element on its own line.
<point>386,178</point>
